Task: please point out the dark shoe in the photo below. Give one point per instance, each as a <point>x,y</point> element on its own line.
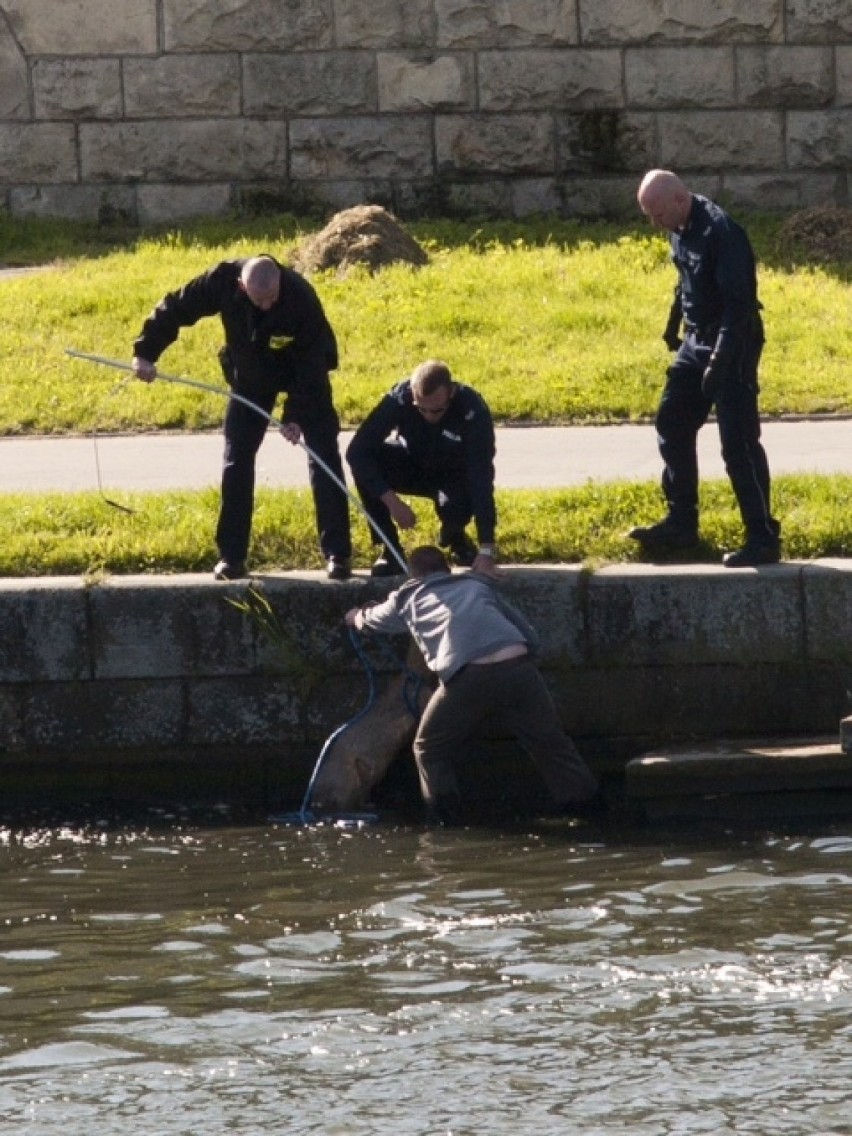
<point>230,570</point>
<point>754,553</point>
<point>462,550</point>
<point>386,565</point>
<point>666,535</point>
<point>338,568</point>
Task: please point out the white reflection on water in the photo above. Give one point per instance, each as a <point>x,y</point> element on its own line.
<point>401,981</point>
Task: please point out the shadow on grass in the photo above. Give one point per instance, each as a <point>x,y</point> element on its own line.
<point>29,241</point>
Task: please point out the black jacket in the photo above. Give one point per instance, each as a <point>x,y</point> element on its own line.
<point>717,278</point>
<point>286,347</point>
<point>458,448</point>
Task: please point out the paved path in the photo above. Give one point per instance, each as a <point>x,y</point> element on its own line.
<point>526,457</point>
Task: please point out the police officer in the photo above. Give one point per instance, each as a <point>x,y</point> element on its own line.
<point>716,306</point>
<point>277,339</point>
<point>428,437</point>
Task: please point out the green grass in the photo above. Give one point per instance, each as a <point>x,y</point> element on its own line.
<point>553,321</point>
<point>79,534</point>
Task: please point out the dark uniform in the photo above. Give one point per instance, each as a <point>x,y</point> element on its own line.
<point>716,300</point>
<point>450,461</point>
<point>290,348</point>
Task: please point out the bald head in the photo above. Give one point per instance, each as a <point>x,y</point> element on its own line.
<point>664,199</point>
<point>260,279</point>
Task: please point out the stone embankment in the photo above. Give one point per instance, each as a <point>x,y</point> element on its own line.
<point>156,110</point>
<point>139,686</point>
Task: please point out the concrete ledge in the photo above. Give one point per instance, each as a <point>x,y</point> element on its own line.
<point>757,766</point>
<point>638,657</point>
<point>737,779</point>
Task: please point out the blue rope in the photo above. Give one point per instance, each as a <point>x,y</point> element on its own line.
<point>306,815</point>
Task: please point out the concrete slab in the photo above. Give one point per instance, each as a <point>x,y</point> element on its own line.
<point>740,766</point>
<point>742,779</point>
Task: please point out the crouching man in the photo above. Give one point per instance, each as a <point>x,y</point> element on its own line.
<point>480,647</point>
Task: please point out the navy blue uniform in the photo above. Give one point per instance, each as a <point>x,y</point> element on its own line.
<point>716,299</point>
<point>290,348</point>
<point>450,461</point>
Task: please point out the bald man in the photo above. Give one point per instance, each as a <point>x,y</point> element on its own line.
<point>277,340</point>
<point>715,366</point>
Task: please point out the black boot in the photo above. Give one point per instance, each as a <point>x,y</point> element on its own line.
<point>667,535</point>
<point>755,551</point>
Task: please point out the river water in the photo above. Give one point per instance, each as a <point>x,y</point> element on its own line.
<point>173,979</point>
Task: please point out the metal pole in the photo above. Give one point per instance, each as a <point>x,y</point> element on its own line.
<point>122,366</point>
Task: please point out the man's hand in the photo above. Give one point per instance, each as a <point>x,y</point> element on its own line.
<point>714,377</point>
<point>351,617</point>
<point>671,336</point>
<point>485,565</point>
<point>401,513</point>
<point>144,370</point>
<point>291,432</point>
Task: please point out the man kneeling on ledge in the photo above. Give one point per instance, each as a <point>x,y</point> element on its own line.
<point>480,647</point>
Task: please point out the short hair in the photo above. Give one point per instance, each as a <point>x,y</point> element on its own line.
<point>426,559</point>
<point>429,377</point>
<point>261,274</point>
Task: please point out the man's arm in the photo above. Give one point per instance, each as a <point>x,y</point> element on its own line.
<point>671,335</point>
<point>383,618</point>
<point>736,281</point>
<point>362,451</point>
<point>479,467</point>
<point>199,298</point>
<point>314,347</point>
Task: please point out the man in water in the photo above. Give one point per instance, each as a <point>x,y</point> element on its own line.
<point>480,647</point>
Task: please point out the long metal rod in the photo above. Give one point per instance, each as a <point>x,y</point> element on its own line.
<point>120,365</point>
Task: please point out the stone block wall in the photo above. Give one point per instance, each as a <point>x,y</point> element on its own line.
<point>118,678</point>
<point>154,110</point>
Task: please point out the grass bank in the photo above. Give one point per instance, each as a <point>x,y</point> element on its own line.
<point>553,321</point>
<point>79,534</point>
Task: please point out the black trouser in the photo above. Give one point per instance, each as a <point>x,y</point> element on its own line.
<point>682,412</point>
<point>447,491</point>
<point>512,694</point>
<point>245,430</point>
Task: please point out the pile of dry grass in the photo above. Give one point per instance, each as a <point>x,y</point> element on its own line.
<point>823,233</point>
<point>366,234</point>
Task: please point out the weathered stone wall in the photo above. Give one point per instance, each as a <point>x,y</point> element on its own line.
<point>158,109</point>
<point>134,674</point>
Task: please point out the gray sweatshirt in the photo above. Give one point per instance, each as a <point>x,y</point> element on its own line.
<point>453,619</point>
